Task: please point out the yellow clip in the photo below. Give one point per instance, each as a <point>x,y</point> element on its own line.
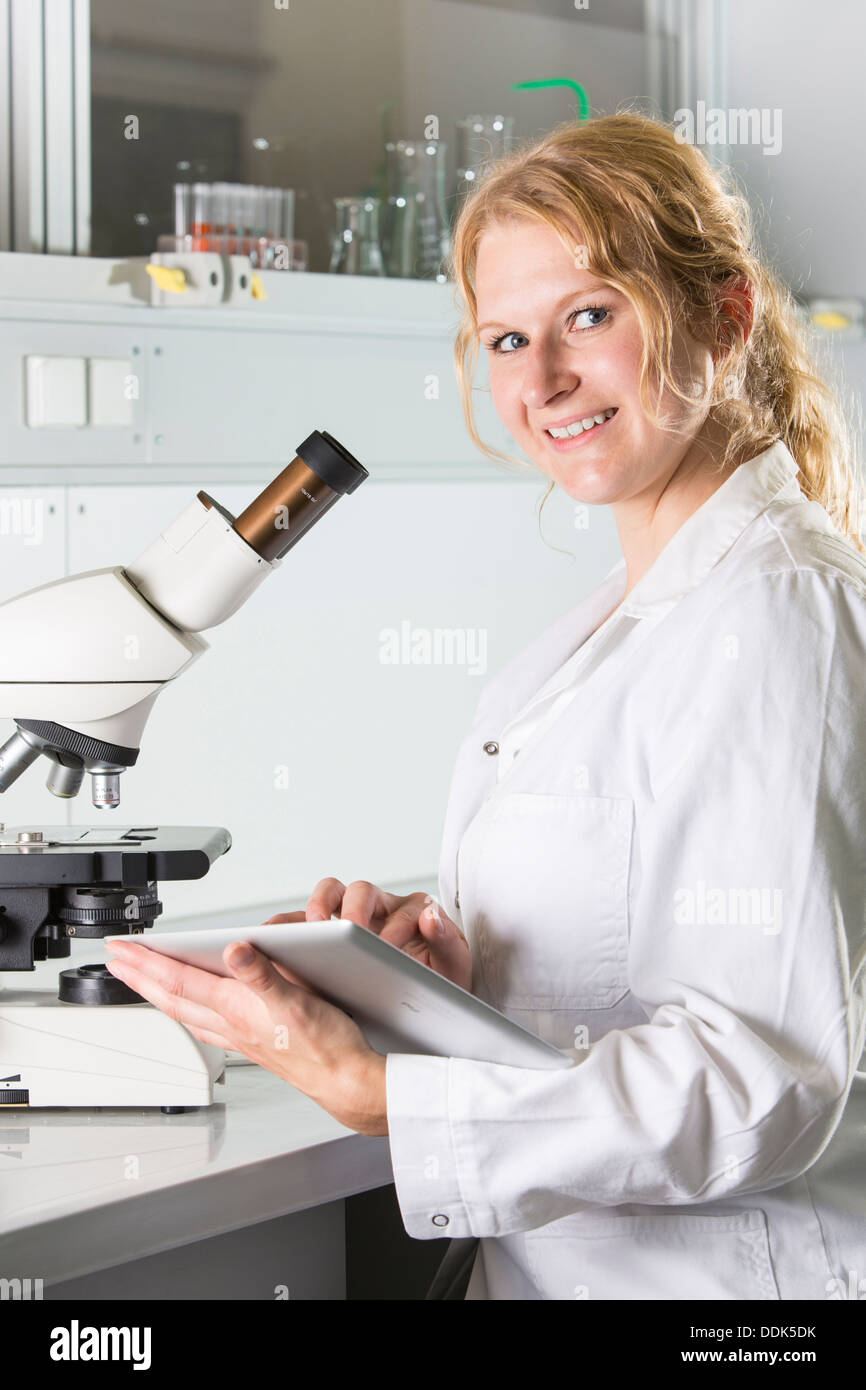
<point>258,287</point>
<point>832,319</point>
<point>169,278</point>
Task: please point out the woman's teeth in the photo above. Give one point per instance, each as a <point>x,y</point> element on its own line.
<point>579,426</point>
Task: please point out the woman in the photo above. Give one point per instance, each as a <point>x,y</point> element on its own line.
<point>656,832</point>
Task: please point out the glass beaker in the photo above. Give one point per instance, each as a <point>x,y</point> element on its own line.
<point>417,230</point>
<point>356,248</point>
<point>480,140</point>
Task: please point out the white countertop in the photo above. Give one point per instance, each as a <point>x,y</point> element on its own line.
<point>84,1189</point>
<point>81,1190</point>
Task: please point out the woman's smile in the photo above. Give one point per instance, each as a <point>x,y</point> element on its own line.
<point>584,434</point>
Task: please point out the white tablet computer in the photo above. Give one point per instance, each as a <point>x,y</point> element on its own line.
<point>400,1004</point>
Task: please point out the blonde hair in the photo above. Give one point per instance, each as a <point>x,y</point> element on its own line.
<point>659,223</point>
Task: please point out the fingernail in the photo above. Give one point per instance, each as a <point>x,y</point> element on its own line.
<point>241,956</point>
<point>434,908</point>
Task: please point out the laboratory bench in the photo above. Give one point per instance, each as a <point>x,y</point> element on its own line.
<point>262,1195</point>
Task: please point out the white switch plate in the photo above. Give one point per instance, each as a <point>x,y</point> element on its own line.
<point>112,389</point>
<point>56,392</point>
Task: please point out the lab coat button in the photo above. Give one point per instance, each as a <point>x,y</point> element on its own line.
<point>440,1219</point>
<point>491,747</point>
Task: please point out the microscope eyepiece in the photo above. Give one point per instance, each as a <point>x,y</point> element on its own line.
<point>322,472</point>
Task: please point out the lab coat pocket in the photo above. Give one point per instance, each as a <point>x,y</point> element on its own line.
<point>668,1256</point>
<point>551,900</point>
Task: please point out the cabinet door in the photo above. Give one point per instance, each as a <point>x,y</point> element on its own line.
<point>32,538</point>
<point>32,553</point>
<point>241,93</point>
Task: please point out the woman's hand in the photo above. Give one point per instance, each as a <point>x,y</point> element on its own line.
<point>273,1018</point>
<point>416,923</point>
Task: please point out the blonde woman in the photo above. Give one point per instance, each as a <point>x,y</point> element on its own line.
<point>654,851</point>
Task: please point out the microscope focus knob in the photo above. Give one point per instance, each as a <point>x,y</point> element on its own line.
<point>95,984</point>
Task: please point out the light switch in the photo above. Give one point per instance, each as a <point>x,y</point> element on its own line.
<point>113,387</point>
<point>56,392</point>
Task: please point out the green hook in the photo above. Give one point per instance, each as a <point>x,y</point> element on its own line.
<point>582,98</point>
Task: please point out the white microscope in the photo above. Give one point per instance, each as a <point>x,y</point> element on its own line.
<point>81,662</point>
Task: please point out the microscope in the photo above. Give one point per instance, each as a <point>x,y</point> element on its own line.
<point>81,662</point>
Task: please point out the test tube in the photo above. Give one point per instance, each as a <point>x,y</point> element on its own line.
<point>260,223</point>
<point>219,213</point>
<point>271,225</point>
<point>235,218</point>
<point>281,248</point>
<point>273,213</point>
<point>181,209</point>
<point>201,216</point>
<point>287,228</point>
<point>240,219</point>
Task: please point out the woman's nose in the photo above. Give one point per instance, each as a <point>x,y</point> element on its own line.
<point>546,375</point>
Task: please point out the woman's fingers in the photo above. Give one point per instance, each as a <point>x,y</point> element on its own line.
<point>325,899</point>
<point>366,904</point>
<point>401,928</point>
<point>264,966</point>
<point>448,947</point>
<point>393,918</point>
<point>186,994</point>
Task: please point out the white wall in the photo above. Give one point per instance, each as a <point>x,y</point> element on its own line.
<point>810,198</point>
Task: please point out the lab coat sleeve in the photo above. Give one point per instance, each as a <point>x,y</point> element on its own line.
<point>746,911</point>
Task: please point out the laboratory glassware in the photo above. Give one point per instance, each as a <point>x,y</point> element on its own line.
<point>418,234</point>
<point>480,141</point>
<point>356,248</point>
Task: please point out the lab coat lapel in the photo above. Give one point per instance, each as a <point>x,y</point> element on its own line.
<point>475,771</point>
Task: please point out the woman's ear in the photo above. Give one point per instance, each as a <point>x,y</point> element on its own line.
<point>736,302</point>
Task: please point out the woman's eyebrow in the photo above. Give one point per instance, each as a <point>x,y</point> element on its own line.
<point>566,298</point>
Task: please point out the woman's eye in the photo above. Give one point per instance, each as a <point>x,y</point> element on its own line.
<point>508,338</point>
<point>593,309</point>
<point>506,342</point>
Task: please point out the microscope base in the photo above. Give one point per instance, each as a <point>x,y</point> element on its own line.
<point>57,1054</point>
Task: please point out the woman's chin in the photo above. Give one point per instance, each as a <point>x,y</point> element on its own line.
<point>590,485</point>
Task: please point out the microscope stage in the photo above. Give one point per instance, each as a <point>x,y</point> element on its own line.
<point>84,854</point>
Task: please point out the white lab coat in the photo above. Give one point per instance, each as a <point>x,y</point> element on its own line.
<point>669,879</point>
